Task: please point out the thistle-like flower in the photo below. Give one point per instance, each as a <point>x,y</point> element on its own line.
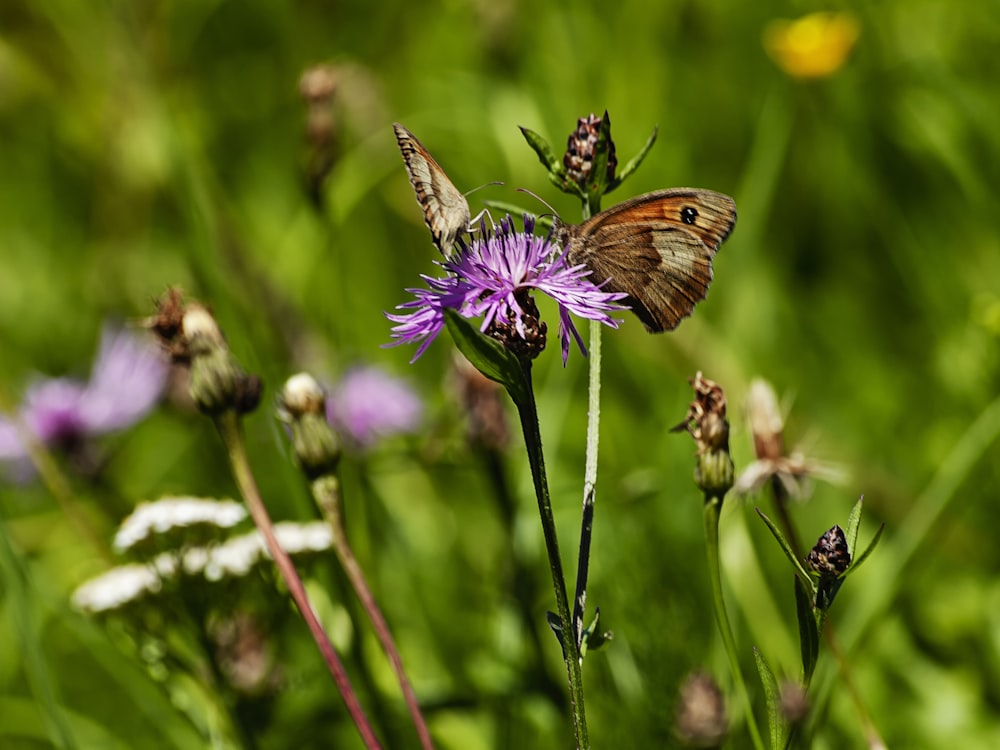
<point>493,278</point>
<point>368,405</point>
<point>127,379</point>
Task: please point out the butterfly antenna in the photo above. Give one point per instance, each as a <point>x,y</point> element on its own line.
<point>552,211</point>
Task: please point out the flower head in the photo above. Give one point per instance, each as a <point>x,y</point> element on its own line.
<point>368,405</point>
<point>814,46</point>
<point>707,423</point>
<point>493,278</point>
<point>127,379</point>
<point>790,472</point>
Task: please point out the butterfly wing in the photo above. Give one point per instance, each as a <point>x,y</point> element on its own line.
<point>446,211</point>
<point>657,248</point>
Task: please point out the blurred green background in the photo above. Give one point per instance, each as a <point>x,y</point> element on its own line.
<point>147,144</point>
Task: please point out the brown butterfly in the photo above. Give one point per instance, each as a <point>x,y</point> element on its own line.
<point>657,248</point>
<point>446,210</point>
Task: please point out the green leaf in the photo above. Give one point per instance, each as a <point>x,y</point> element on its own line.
<point>633,165</point>
<point>488,356</point>
<point>556,625</point>
<point>772,694</point>
<point>808,629</point>
<point>552,163</point>
<point>592,638</point>
<point>853,524</point>
<point>800,571</point>
<point>864,555</point>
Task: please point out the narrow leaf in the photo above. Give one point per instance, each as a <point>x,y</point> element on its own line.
<point>853,525</point>
<point>800,571</point>
<point>633,165</point>
<point>808,629</point>
<point>552,163</point>
<point>598,180</point>
<point>487,355</point>
<point>864,555</point>
<point>775,721</point>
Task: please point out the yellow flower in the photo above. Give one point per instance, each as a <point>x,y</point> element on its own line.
<point>814,46</point>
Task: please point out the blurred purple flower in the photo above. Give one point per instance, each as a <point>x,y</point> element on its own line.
<point>127,379</point>
<point>369,404</point>
<point>485,277</point>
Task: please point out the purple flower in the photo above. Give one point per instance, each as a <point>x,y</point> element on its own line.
<point>368,405</point>
<point>127,379</point>
<point>485,278</point>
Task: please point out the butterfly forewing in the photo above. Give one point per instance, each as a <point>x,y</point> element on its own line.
<point>657,248</point>
<point>446,211</point>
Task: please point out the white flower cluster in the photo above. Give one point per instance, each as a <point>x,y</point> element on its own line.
<point>169,513</point>
<point>231,559</point>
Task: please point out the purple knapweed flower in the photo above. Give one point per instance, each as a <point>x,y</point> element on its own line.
<point>485,279</point>
<point>127,379</point>
<point>368,405</point>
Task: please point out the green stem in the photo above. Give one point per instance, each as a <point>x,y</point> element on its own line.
<point>326,490</point>
<point>713,509</point>
<point>228,425</point>
<point>589,480</point>
<point>528,413</point>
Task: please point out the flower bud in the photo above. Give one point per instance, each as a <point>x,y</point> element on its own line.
<point>701,712</point>
<point>302,406</point>
<point>830,557</point>
<point>581,149</point>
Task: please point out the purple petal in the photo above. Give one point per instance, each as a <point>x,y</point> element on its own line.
<point>369,404</point>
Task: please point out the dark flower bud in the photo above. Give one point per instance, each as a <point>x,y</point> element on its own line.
<point>701,712</point>
<point>830,557</point>
<point>523,334</point>
<point>580,151</point>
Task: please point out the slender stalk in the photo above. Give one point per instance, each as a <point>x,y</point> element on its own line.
<point>326,490</point>
<point>528,413</point>
<point>873,739</point>
<point>228,425</point>
<point>713,509</point>
<point>589,481</point>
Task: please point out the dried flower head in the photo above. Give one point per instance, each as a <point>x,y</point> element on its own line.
<point>706,422</point>
<point>814,46</point>
<point>792,472</point>
<point>701,712</point>
<point>580,149</point>
<point>494,278</point>
<point>192,335</point>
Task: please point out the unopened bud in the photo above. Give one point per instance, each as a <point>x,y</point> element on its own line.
<point>830,557</point>
<point>701,713</point>
<point>302,405</point>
